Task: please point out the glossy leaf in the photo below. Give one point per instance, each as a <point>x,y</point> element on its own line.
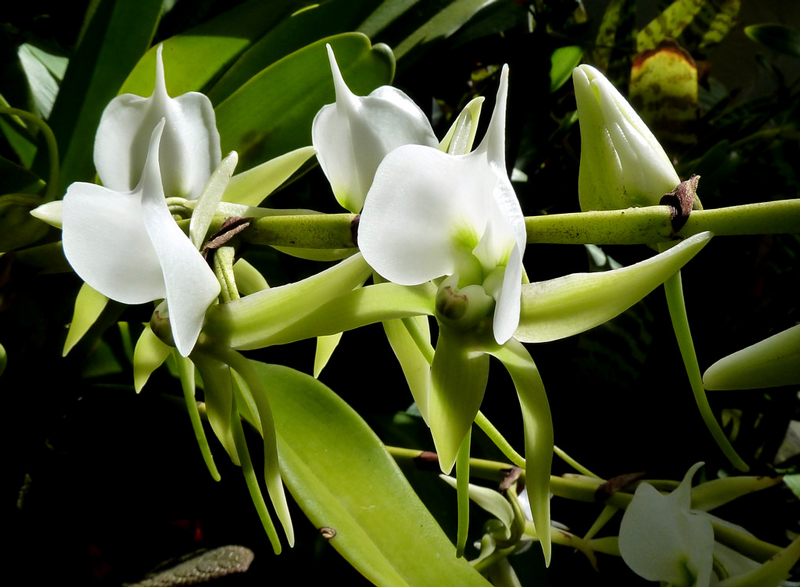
<point>273,112</point>
<point>348,486</point>
<point>95,73</point>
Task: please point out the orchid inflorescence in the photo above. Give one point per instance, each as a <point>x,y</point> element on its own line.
<point>441,234</point>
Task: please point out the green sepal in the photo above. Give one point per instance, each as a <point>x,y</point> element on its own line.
<point>149,354</point>
<point>253,321</point>
<point>770,573</point>
<point>89,304</point>
<point>459,375</point>
<point>562,307</point>
<point>414,361</point>
<point>461,136</point>
<point>208,201</point>
<point>218,391</point>
<point>538,424</point>
<point>249,280</point>
<point>251,187</point>
<point>325,347</point>
<point>186,373</point>
<point>772,362</point>
<point>718,492</point>
<point>490,501</point>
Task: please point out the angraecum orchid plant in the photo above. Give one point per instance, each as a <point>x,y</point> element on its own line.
<point>371,292</point>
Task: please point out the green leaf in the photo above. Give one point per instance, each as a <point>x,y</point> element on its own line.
<point>776,37</point>
<point>195,59</point>
<point>562,307</point>
<point>350,488</point>
<point>119,33</point>
<point>272,114</point>
<point>562,62</point>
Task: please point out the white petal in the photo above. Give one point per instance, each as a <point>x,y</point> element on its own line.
<point>660,539</point>
<point>425,208</point>
<point>106,243</point>
<point>50,213</point>
<point>190,284</point>
<point>190,149</point>
<point>353,135</point>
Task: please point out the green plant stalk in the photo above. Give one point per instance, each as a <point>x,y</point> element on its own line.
<point>250,477</point>
<point>499,441</point>
<point>680,323</point>
<point>462,494</point>
<point>648,225</point>
<point>52,147</point>
<point>573,463</point>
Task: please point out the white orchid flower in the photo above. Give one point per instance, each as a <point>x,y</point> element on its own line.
<point>354,134</point>
<point>622,163</point>
<point>430,214</point>
<point>661,539</point>
<point>127,246</point>
<point>190,147</point>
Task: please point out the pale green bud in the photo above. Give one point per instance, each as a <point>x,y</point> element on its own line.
<point>622,163</point>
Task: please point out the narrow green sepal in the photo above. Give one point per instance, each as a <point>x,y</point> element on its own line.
<point>254,185</point>
<point>149,354</point>
<point>771,573</point>
<point>325,347</point>
<point>538,424</point>
<point>459,375</point>
<point>562,307</point>
<point>89,304</point>
<point>218,393</point>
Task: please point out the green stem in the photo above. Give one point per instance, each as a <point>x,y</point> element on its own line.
<point>680,323</point>
<point>223,269</point>
<point>462,490</point>
<point>499,441</point>
<point>651,224</point>
<point>573,463</point>
<point>50,141</point>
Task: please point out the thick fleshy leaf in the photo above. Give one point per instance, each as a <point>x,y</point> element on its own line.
<point>354,134</point>
<point>562,307</point>
<point>459,375</point>
<point>352,490</point>
<point>660,539</point>
<point>773,362</point>
<point>622,163</point>
<point>190,150</point>
<point>538,424</point>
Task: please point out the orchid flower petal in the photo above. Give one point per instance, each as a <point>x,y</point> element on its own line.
<point>353,135</point>
<point>562,307</point>
<point>189,283</point>
<point>190,149</point>
<point>622,163</point>
<point>773,362</point>
<point>660,539</point>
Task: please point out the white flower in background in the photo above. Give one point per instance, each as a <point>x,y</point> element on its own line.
<point>661,539</point>
<point>190,148</point>
<point>622,163</point>
<point>354,134</point>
